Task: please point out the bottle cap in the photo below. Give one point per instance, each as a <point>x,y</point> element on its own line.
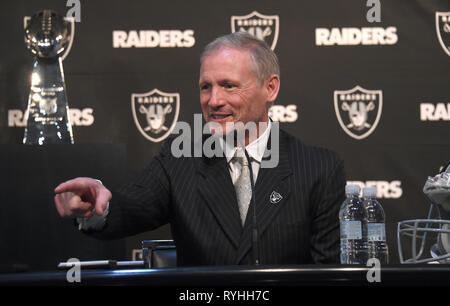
<point>352,189</point>
<point>369,192</point>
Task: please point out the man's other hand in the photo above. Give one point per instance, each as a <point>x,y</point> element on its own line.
<point>81,197</point>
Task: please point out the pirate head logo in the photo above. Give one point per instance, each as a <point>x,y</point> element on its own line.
<point>443,30</point>
<point>275,197</point>
<point>358,110</point>
<point>261,26</point>
<point>155,113</point>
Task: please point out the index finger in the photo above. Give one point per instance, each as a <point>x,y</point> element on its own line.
<point>73,185</point>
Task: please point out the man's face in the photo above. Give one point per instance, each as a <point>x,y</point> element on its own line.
<point>229,90</point>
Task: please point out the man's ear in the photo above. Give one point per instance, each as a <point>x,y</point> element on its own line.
<point>272,86</point>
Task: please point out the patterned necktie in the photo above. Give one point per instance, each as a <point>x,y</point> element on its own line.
<point>242,185</point>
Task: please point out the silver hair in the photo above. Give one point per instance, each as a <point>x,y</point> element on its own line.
<point>264,60</point>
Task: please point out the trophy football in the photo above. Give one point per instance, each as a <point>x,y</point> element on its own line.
<point>48,36</point>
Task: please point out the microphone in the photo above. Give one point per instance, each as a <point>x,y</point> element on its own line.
<point>255,247</point>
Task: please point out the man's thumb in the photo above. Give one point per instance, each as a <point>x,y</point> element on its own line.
<point>101,202</point>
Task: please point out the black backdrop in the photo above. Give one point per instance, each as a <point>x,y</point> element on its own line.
<point>402,62</point>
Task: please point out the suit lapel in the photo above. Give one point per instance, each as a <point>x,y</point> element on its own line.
<point>217,189</point>
<point>269,184</point>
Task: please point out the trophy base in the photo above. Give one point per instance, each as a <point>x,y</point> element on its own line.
<point>40,134</point>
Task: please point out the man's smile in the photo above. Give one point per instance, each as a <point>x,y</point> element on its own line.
<point>219,117</point>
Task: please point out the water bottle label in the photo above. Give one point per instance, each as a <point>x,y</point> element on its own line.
<point>351,230</point>
<point>376,232</point>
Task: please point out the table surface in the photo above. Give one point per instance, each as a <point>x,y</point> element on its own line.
<point>287,275</point>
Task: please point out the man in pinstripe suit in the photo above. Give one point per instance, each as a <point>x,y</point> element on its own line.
<point>297,202</point>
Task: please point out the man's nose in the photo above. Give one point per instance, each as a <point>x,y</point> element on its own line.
<point>216,99</point>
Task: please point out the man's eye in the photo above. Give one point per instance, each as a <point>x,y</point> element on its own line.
<point>204,87</point>
<point>229,86</point>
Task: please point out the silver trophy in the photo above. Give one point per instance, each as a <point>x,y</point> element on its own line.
<point>48,36</point>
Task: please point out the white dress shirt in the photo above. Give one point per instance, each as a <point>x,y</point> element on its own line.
<point>255,150</point>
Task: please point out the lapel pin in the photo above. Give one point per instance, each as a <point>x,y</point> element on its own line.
<point>275,197</point>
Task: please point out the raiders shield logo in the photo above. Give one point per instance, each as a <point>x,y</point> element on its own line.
<point>443,30</point>
<point>155,113</point>
<point>261,26</point>
<point>358,110</point>
<point>71,20</point>
<point>275,197</point>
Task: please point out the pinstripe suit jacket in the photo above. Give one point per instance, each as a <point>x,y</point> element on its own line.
<point>197,197</point>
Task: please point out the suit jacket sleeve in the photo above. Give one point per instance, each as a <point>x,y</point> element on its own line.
<point>141,205</point>
<point>328,197</point>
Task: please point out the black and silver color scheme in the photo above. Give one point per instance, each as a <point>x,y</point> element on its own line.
<point>432,233</point>
<point>49,37</point>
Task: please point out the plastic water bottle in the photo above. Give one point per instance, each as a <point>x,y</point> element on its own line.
<point>376,231</point>
<point>353,227</point>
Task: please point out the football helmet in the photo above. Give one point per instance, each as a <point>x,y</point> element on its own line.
<point>432,233</point>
